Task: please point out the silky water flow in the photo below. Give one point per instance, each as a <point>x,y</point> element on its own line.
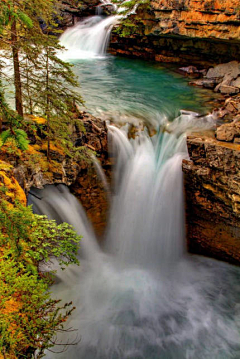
<point>140,295</point>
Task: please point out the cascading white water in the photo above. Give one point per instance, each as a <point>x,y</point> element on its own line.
<point>148,204</point>
<point>142,297</point>
<point>88,38</point>
<point>55,202</point>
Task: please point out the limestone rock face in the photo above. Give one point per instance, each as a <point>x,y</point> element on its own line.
<point>190,31</point>
<point>196,18</point>
<point>212,187</point>
<point>72,10</point>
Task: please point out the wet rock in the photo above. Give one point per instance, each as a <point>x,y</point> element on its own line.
<point>166,59</point>
<point>189,70</point>
<point>207,83</point>
<point>228,90</point>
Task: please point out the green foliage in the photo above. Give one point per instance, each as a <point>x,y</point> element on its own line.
<point>43,237</point>
<point>130,24</point>
<point>18,136</point>
<point>52,83</point>
<point>21,139</point>
<point>44,84</point>
<point>9,12</point>
<point>24,19</point>
<point>29,318</point>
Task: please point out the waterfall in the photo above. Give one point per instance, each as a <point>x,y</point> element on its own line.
<point>58,203</point>
<point>88,38</point>
<point>142,296</point>
<point>146,224</point>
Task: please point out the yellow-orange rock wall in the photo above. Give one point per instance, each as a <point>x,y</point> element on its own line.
<point>195,18</point>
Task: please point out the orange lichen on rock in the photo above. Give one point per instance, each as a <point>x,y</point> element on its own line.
<point>11,190</point>
<point>54,147</point>
<point>221,19</point>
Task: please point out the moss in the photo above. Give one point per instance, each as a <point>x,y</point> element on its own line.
<point>54,146</point>
<point>10,188</point>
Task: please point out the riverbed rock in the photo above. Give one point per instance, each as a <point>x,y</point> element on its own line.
<point>230,69</point>
<point>212,187</point>
<point>206,83</point>
<point>228,90</point>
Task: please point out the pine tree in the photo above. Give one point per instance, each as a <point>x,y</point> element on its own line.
<point>43,83</point>
<point>48,87</point>
<point>11,17</point>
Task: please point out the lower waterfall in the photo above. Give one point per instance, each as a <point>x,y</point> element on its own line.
<point>142,296</point>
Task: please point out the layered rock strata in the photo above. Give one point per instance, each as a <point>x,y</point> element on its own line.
<point>187,31</point>
<point>212,186</point>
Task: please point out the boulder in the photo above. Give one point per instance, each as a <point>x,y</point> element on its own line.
<point>226,82</point>
<point>227,132</point>
<point>236,83</point>
<point>220,71</point>
<point>228,90</point>
<point>189,69</point>
<point>207,83</point>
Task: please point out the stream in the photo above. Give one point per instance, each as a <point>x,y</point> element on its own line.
<point>140,295</point>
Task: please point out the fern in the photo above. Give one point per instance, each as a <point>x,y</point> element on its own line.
<point>19,136</point>
<point>21,139</point>
<point>25,19</point>
<point>5,135</point>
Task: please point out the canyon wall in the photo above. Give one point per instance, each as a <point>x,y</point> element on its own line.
<point>212,177</point>
<point>185,31</point>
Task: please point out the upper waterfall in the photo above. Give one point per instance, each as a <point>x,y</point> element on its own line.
<point>88,38</point>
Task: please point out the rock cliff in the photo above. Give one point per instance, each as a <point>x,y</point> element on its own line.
<point>213,198</point>
<point>190,31</point>
<point>32,169</point>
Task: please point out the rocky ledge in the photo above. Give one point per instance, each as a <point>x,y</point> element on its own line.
<point>32,169</point>
<point>185,31</point>
<point>212,174</point>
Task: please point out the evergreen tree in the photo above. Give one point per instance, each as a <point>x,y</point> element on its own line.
<point>14,132</point>
<point>43,83</point>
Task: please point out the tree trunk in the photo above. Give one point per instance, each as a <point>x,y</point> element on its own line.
<point>47,106</point>
<point>17,76</point>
